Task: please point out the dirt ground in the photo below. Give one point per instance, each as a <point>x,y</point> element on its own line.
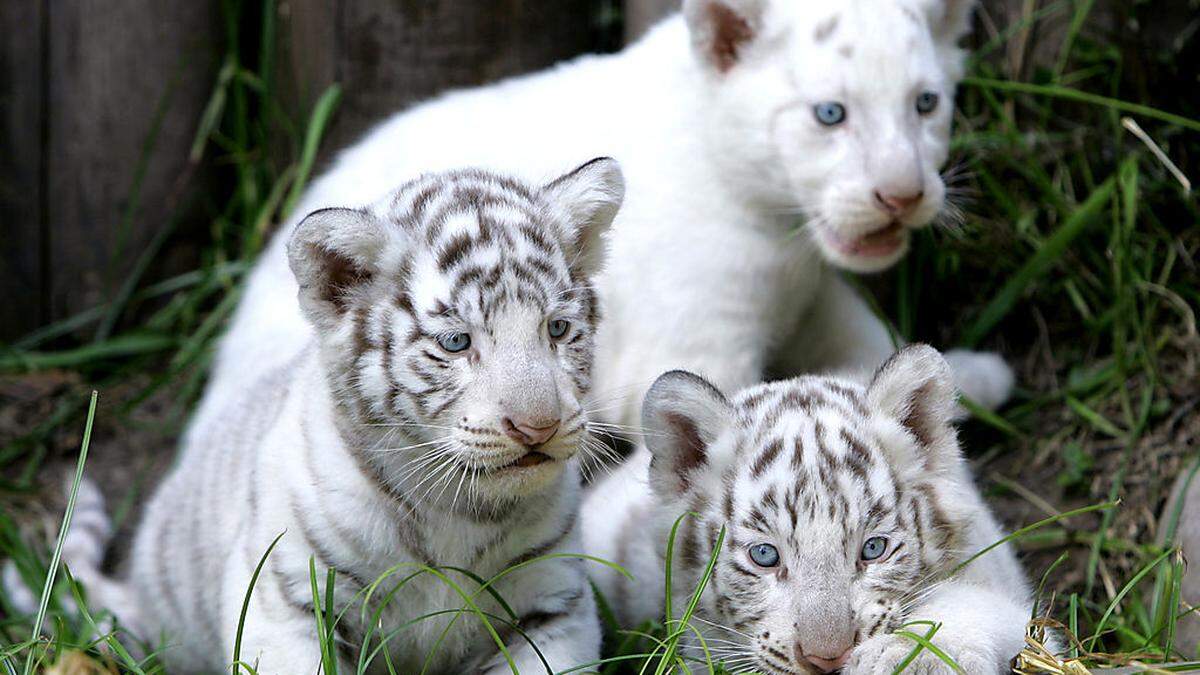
<point>129,452</point>
<point>1024,484</point>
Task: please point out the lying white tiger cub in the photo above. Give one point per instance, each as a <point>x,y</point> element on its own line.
<point>845,509</point>
<point>432,421</point>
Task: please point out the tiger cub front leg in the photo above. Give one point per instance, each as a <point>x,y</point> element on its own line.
<point>284,645</point>
<point>560,631</point>
<point>979,628</point>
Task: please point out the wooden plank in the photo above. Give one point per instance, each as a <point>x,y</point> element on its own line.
<point>21,81</point>
<point>388,55</point>
<point>306,55</point>
<point>110,66</point>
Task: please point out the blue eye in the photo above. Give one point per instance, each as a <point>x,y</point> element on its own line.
<point>454,342</point>
<point>926,102</point>
<point>558,328</point>
<point>764,555</point>
<point>874,548</point>
<point>830,113</point>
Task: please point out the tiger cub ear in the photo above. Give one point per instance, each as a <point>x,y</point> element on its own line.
<point>334,255</point>
<point>721,30</point>
<point>586,200</point>
<point>915,388</point>
<point>683,415</point>
<point>949,20</point>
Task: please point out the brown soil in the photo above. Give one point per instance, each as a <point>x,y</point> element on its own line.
<point>130,449</point>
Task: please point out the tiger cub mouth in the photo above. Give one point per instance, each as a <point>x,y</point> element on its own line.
<point>531,458</point>
<point>529,461</point>
<point>881,242</point>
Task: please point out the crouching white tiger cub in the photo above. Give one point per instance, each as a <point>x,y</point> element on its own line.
<point>434,421</point>
<point>846,512</point>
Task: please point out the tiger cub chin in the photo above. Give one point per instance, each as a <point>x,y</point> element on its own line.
<point>434,422</point>
<point>845,509</point>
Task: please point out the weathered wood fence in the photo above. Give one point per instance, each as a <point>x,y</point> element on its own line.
<point>80,84</point>
<point>84,84</point>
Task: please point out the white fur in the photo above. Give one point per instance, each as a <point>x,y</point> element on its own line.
<point>300,450</point>
<point>380,450</point>
<point>901,421</point>
<point>737,198</point>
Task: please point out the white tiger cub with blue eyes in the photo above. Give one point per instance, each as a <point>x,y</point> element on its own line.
<point>434,420</point>
<point>768,145</point>
<point>846,509</point>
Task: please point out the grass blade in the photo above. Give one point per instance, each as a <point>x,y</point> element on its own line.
<point>923,641</point>
<point>322,112</point>
<point>919,647</point>
<point>237,639</point>
<point>1055,91</point>
<point>1116,601</point>
<point>1030,528</point>
<point>56,558</point>
<point>1037,266</point>
<point>121,345</point>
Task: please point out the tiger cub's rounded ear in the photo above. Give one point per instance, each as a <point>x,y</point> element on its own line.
<point>683,415</point>
<point>721,29</point>
<point>586,200</point>
<point>334,254</point>
<point>950,20</point>
<point>915,388</point>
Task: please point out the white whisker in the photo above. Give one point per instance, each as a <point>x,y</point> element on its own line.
<point>717,625</point>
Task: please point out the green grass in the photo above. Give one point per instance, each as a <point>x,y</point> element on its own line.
<point>1076,259</point>
<point>55,559</point>
<point>1083,240</point>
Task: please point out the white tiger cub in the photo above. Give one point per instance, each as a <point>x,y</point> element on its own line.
<point>846,512</point>
<point>766,144</point>
<point>434,421</point>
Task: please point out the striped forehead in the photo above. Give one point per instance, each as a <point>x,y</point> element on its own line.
<point>807,443</point>
<point>766,404</point>
<point>480,240</point>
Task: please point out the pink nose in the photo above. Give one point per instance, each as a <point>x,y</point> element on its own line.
<point>898,204</point>
<point>530,433</point>
<point>825,664</point>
